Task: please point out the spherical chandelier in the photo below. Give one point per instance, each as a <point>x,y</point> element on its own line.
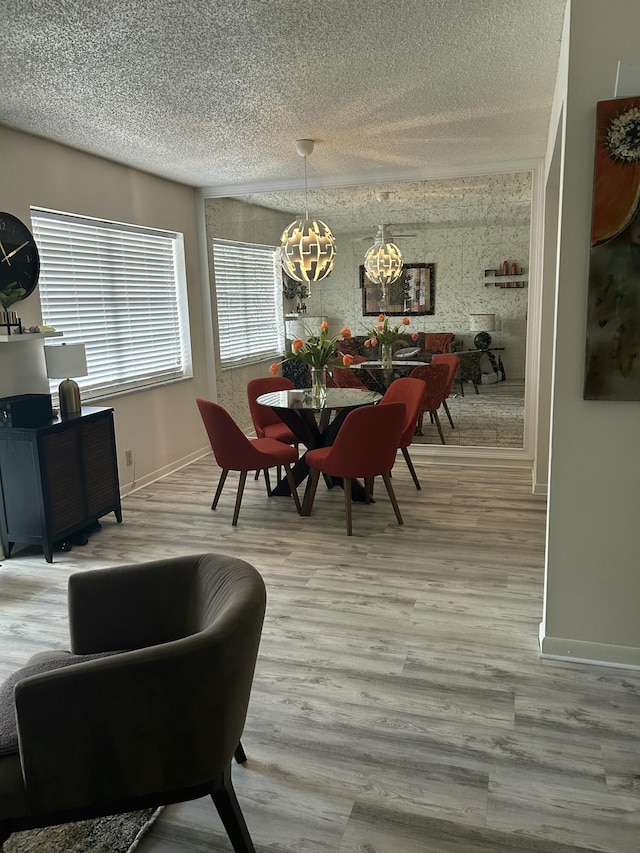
<point>308,248</point>
<point>383,260</point>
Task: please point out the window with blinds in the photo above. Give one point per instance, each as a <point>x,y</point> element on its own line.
<point>119,289</point>
<point>248,292</point>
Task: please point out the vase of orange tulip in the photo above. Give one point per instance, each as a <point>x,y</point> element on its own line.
<point>386,336</point>
<point>318,351</point>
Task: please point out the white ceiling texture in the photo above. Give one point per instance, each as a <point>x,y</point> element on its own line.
<point>214,94</point>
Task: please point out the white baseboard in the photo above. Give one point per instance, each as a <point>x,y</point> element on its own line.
<point>127,488</point>
<point>540,489</point>
<point>581,651</point>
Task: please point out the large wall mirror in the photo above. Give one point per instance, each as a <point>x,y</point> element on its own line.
<point>467,227</point>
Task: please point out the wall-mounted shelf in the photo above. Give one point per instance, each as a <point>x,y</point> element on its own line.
<point>506,281</point>
<point>27,336</point>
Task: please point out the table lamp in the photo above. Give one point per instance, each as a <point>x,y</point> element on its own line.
<point>483,324</point>
<point>62,363</point>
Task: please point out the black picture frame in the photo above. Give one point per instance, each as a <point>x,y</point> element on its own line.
<point>411,295</point>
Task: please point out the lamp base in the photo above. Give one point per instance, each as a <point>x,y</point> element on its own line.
<point>482,340</point>
<point>69,395</point>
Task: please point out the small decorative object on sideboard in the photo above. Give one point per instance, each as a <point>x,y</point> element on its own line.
<point>510,275</point>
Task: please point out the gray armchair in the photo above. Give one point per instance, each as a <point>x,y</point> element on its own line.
<point>149,706</point>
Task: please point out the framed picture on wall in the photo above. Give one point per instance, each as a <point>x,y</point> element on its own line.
<point>612,369</point>
<point>410,295</point>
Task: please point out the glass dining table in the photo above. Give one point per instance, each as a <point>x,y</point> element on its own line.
<point>316,423</point>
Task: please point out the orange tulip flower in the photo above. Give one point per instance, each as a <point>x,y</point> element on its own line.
<point>414,336</point>
<point>297,344</point>
<point>347,360</point>
<point>406,321</point>
<point>367,343</point>
<point>374,342</point>
<point>273,369</point>
<point>380,318</point>
<point>324,326</point>
<point>345,333</point>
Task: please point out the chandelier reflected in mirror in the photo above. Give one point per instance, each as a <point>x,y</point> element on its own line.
<point>383,260</point>
<point>308,248</point>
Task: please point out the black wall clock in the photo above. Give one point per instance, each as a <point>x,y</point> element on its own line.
<point>19,260</point>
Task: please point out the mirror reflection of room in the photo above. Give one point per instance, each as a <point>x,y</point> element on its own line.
<point>467,228</point>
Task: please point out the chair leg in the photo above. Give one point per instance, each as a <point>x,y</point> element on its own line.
<point>257,474</point>
<point>239,754</point>
<point>412,470</point>
<point>236,511</point>
<point>368,489</point>
<point>292,486</point>
<point>221,483</point>
<point>419,424</point>
<point>437,420</point>
<point>314,476</point>
<point>267,481</point>
<point>228,807</point>
<point>346,485</point>
<point>446,408</point>
<point>392,497</point>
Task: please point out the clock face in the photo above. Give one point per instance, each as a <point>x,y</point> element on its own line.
<point>19,259</point>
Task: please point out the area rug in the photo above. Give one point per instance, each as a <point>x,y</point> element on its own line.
<point>492,418</point>
<point>113,834</point>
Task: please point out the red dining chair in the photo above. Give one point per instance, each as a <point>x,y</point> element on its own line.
<point>235,452</point>
<point>436,377</point>
<point>266,422</point>
<point>410,392</point>
<point>452,361</point>
<point>366,447</point>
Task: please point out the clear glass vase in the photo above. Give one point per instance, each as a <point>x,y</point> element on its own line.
<point>319,384</point>
<point>386,355</point>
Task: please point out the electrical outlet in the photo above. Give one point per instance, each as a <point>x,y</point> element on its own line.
<point>128,456</point>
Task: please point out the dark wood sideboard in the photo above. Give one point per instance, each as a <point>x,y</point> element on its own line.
<point>57,479</point>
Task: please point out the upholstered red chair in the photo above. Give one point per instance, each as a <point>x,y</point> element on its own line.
<point>436,377</point>
<point>266,422</point>
<point>410,392</point>
<point>438,341</point>
<point>452,361</point>
<point>235,452</point>
<point>365,447</point>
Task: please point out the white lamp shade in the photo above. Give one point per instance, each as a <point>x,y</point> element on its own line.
<point>482,322</point>
<point>307,250</point>
<point>66,361</point>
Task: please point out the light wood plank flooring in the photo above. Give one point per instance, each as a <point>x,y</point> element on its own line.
<point>399,703</point>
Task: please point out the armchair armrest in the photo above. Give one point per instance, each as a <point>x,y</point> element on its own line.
<point>121,729</point>
<point>129,607</point>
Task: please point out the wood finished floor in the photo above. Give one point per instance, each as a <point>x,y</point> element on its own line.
<point>399,703</point>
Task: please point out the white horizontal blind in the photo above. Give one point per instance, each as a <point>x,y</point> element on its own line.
<point>248,284</point>
<point>119,289</point>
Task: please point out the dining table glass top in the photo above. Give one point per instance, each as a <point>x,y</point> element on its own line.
<point>333,398</point>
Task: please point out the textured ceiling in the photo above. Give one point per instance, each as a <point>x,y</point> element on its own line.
<point>215,93</point>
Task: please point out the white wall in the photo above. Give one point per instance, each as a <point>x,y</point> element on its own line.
<point>592,585</point>
<point>160,425</point>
